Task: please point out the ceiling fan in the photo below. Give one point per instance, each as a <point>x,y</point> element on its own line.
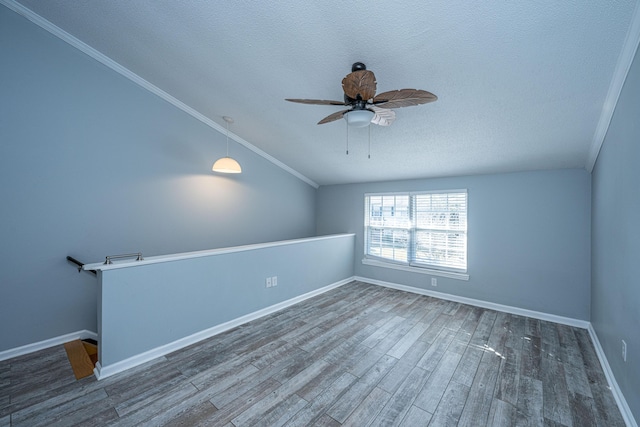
<point>366,107</point>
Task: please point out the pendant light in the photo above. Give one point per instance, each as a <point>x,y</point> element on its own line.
<point>227,164</point>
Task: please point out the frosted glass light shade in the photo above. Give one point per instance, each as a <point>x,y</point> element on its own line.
<point>359,118</point>
<point>226,165</point>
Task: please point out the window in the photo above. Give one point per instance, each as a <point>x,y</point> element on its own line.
<point>424,230</point>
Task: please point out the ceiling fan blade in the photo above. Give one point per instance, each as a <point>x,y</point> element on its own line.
<point>382,117</point>
<point>316,101</point>
<point>333,117</point>
<point>403,98</point>
<point>360,83</point>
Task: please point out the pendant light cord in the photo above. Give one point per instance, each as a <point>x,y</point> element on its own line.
<point>227,137</point>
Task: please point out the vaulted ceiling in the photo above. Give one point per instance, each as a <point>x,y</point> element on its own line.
<point>521,85</point>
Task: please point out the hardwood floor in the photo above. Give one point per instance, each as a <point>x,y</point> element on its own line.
<point>355,356</point>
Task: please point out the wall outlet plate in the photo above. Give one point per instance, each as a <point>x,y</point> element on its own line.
<point>434,281</point>
<point>267,282</point>
<point>274,281</point>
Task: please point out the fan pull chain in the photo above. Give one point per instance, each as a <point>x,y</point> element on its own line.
<point>347,124</point>
<point>369,155</point>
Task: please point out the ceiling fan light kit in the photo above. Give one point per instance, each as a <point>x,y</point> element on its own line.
<point>359,118</point>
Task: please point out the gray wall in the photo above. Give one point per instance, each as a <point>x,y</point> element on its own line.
<point>528,237</point>
<point>92,164</point>
<point>152,305</point>
<point>615,262</point>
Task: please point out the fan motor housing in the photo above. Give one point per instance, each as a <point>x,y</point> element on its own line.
<point>357,66</point>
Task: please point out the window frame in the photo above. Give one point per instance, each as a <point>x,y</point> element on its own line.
<point>411,264</point>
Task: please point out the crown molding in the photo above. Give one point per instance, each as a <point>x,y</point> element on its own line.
<point>105,60</point>
<point>615,87</point>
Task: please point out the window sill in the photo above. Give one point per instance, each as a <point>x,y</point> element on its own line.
<point>449,274</point>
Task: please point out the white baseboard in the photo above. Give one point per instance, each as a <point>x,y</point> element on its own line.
<point>613,384</point>
<point>41,345</point>
<point>584,324</point>
<point>114,368</point>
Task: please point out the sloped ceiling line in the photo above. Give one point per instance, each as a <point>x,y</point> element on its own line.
<point>619,76</point>
<point>563,127</point>
<point>105,60</point>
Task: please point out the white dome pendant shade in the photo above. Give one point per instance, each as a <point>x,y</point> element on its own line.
<point>359,118</point>
<point>227,164</point>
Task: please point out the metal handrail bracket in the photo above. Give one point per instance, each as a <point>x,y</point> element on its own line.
<point>138,256</point>
<point>79,264</point>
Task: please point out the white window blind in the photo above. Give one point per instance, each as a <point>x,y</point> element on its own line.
<point>419,229</point>
<point>388,227</point>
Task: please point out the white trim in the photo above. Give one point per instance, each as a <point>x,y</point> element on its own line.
<point>207,252</point>
<point>41,345</point>
<point>105,60</point>
<point>584,324</point>
<point>431,272</point>
<point>627,415</point>
<point>413,228</point>
<point>410,193</point>
<point>620,73</point>
<point>106,371</point>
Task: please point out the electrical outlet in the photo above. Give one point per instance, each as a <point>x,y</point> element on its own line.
<point>434,281</point>
<point>624,350</point>
<point>268,282</point>
<point>274,281</point>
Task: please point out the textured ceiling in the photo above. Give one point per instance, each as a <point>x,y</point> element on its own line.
<point>521,85</point>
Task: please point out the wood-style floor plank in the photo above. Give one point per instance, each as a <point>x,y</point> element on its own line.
<point>416,417</point>
<point>476,409</point>
<point>508,376</point>
<point>555,393</point>
<point>356,355</point>
<point>370,407</point>
<point>502,414</point>
<point>401,401</point>
<point>316,408</point>
<point>530,402</point>
<point>429,397</point>
<point>360,389</point>
<point>576,375</point>
<point>243,402</point>
<point>450,408</point>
